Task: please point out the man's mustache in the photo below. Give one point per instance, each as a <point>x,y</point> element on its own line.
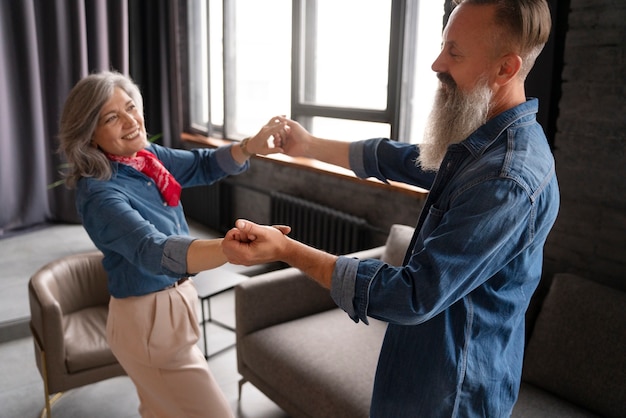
<point>446,79</point>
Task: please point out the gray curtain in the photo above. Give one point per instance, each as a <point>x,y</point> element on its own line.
<point>46,46</point>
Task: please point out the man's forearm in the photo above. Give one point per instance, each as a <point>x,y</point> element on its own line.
<point>331,151</point>
<point>316,264</point>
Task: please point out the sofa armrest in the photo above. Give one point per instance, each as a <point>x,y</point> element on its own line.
<point>283,295</point>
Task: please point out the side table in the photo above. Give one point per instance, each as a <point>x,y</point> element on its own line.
<point>211,283</point>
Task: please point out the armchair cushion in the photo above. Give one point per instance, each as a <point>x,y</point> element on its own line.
<point>85,339</point>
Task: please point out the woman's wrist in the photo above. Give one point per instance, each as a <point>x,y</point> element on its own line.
<point>243,145</point>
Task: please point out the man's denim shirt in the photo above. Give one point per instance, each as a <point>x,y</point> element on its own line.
<point>455,340</point>
<point>144,241</point>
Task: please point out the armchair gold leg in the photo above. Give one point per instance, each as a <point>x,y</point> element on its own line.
<point>47,410</point>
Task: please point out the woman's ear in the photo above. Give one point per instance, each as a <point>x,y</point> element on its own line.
<point>510,66</point>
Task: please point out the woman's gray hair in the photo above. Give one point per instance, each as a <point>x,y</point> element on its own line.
<point>80,118</point>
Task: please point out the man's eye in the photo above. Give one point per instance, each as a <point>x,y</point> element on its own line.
<point>453,54</point>
<point>131,107</point>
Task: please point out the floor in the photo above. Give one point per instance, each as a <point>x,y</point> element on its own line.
<point>21,387</point>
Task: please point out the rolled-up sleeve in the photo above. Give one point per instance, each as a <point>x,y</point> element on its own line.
<point>351,283</point>
<point>175,254</point>
<point>342,285</point>
<point>225,160</point>
<point>363,159</point>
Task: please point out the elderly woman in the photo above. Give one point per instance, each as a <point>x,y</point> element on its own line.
<point>127,194</point>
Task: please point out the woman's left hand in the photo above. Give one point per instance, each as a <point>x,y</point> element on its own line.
<point>274,130</point>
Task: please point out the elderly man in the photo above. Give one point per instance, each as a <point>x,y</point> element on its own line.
<point>455,341</point>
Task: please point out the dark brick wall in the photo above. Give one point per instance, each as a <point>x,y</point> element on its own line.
<point>589,237</point>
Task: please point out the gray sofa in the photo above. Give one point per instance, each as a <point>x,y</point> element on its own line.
<point>306,355</point>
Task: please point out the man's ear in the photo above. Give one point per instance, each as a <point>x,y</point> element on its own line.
<point>510,65</point>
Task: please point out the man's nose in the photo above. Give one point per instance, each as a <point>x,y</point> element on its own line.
<point>438,64</point>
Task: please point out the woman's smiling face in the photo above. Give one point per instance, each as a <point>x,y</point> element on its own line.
<point>120,129</point>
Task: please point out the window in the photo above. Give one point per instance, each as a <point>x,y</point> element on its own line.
<point>345,69</point>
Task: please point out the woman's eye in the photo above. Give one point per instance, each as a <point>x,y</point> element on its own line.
<point>110,119</point>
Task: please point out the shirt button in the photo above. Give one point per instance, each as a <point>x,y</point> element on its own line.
<point>149,183</point>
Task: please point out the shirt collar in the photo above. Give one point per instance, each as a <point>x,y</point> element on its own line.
<point>483,137</point>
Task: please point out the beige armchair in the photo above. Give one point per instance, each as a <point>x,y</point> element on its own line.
<point>69,305</point>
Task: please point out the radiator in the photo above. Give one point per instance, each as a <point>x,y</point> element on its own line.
<point>210,205</point>
<point>319,226</point>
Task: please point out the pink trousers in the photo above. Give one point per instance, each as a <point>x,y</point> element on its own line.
<point>154,338</point>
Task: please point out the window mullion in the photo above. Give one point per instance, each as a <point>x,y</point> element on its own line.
<point>405,66</point>
<point>304,42</point>
<point>230,68</point>
<point>397,82</point>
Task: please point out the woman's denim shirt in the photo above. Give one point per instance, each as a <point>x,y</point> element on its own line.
<point>455,340</point>
<point>144,241</point>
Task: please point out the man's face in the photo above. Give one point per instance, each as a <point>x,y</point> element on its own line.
<point>467,53</point>
<point>465,70</point>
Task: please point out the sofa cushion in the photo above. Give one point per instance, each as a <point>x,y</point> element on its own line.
<point>397,243</point>
<point>535,402</point>
<point>578,347</point>
<point>323,357</point>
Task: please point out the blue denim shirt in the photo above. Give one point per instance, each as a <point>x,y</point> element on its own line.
<point>455,340</point>
<point>144,241</point>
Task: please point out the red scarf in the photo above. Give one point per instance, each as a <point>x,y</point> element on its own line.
<point>151,166</point>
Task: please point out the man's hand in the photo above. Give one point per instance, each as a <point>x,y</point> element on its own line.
<point>297,142</point>
<point>249,244</point>
<point>300,143</point>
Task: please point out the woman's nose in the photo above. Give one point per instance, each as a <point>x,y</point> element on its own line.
<point>128,119</point>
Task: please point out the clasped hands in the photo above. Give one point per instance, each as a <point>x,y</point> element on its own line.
<point>249,243</point>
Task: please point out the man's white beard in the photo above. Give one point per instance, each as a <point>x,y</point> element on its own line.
<point>455,115</point>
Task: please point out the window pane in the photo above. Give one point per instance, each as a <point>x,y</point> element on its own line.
<point>348,130</point>
<point>351,56</point>
<point>216,61</point>
<point>198,67</point>
<point>262,64</point>
<point>429,28</point>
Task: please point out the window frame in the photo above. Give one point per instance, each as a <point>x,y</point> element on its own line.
<point>399,60</point>
<point>401,64</point>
